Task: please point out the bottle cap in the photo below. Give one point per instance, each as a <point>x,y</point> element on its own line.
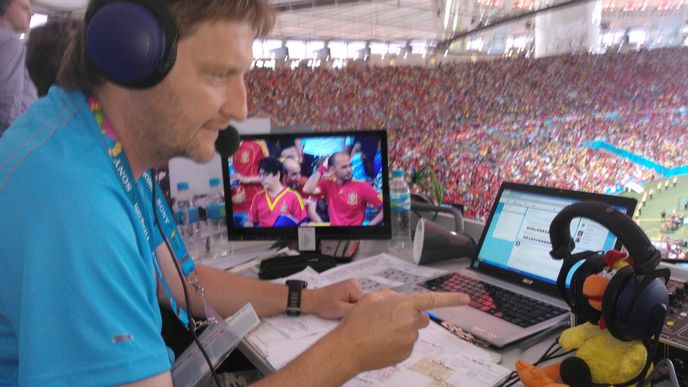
<point>398,173</point>
<point>214,182</point>
<point>182,185</point>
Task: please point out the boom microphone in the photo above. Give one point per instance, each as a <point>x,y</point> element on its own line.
<point>227,141</point>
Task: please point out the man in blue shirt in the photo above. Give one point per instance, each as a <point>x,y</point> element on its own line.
<point>80,250</point>
<point>16,88</point>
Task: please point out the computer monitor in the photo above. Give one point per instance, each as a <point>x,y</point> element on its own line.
<point>336,182</point>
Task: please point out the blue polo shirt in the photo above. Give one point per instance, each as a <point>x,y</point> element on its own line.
<point>78,301</point>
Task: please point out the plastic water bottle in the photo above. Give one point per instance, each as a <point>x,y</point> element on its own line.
<point>400,200</point>
<point>218,245</point>
<point>187,216</point>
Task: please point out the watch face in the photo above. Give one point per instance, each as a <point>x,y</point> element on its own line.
<point>297,283</point>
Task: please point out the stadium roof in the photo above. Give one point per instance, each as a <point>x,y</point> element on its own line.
<point>405,20</point>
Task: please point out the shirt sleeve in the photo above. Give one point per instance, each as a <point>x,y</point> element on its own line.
<point>371,196</point>
<point>324,186</point>
<point>253,211</point>
<point>298,208</point>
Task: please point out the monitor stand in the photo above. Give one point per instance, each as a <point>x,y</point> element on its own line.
<point>342,251</point>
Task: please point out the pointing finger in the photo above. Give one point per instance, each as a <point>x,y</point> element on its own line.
<point>432,300</point>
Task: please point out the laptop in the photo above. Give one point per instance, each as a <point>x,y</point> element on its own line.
<point>512,280</point>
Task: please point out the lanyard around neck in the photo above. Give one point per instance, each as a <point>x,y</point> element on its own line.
<point>112,147</point>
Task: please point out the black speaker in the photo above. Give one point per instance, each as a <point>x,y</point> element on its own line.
<point>635,301</point>
<point>432,243</point>
<point>131,43</point>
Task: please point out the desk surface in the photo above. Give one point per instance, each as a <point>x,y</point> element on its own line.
<point>370,248</point>
<point>510,353</point>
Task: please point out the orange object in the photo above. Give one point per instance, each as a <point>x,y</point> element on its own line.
<point>532,376</point>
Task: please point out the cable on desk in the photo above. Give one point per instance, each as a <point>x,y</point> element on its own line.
<point>553,352</point>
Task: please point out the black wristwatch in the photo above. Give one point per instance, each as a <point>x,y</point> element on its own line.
<point>294,297</point>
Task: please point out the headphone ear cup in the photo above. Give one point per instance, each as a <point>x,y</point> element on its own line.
<point>592,265</point>
<point>635,306</point>
<point>138,56</point>
<point>610,309</point>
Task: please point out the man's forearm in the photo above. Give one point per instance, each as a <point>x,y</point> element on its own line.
<point>311,183</point>
<point>378,218</point>
<point>228,292</point>
<point>329,362</point>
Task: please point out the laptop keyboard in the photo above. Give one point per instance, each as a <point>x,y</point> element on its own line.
<point>499,302</point>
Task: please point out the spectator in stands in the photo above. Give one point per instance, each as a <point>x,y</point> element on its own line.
<point>17,91</point>
<point>476,117</point>
<point>294,180</point>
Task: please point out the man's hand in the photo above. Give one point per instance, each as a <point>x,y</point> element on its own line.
<point>239,196</point>
<point>332,301</point>
<point>383,327</point>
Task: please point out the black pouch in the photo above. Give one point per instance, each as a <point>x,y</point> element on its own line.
<point>283,266</point>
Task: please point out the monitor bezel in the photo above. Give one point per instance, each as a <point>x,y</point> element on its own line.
<point>381,232</point>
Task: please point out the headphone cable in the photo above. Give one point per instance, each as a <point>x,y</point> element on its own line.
<point>192,322</point>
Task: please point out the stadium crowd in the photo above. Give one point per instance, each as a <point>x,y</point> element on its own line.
<point>477,124</point>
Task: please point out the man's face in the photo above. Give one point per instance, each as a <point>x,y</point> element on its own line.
<point>269,181</point>
<point>293,170</point>
<point>183,115</point>
<point>342,167</point>
<point>18,15</point>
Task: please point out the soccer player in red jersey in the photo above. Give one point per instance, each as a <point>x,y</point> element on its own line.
<point>276,205</point>
<point>245,162</point>
<point>295,180</point>
<point>347,199</point>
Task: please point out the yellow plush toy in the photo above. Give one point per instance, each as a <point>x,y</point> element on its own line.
<point>600,357</point>
<point>611,361</point>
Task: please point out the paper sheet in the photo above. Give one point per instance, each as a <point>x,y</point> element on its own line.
<point>438,357</point>
<point>382,271</point>
<point>375,273</point>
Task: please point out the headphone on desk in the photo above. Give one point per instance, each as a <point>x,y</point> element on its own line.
<point>138,56</point>
<point>635,301</point>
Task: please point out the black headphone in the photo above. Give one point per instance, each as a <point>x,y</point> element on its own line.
<point>635,301</point>
<point>132,43</point>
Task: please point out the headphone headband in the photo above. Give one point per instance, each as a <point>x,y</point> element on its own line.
<point>645,255</point>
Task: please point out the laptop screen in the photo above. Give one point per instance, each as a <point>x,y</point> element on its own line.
<point>516,243</point>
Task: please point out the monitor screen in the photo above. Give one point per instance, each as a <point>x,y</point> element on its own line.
<point>335,182</point>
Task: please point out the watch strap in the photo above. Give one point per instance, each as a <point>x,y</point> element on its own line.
<point>294,297</point>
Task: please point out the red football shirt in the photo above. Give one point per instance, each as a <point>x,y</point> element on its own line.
<point>265,210</point>
<point>245,161</point>
<point>346,203</point>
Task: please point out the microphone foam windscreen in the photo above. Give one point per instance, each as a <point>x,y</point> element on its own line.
<point>227,141</point>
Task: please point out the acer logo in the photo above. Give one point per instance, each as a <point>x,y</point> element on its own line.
<point>527,281</point>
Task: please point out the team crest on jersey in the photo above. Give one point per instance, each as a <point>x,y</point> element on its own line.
<point>353,198</point>
<point>283,208</point>
<point>244,157</point>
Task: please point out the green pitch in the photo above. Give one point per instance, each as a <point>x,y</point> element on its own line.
<point>670,199</point>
